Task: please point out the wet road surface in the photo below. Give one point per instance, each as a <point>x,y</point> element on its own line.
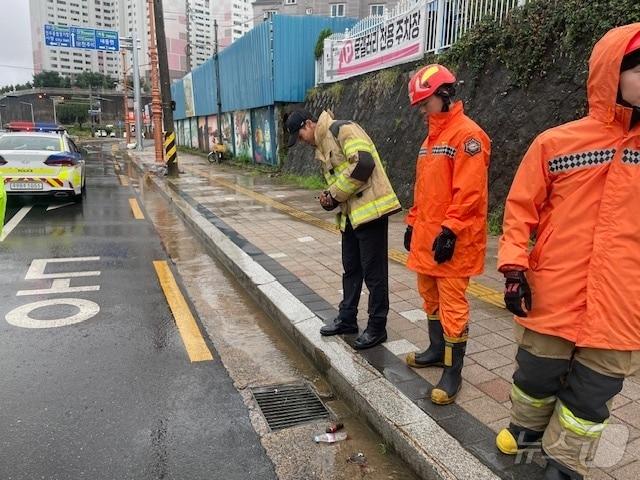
<point>257,353</point>
<point>101,386</point>
<point>95,379</point>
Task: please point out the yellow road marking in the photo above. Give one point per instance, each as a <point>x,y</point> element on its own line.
<point>482,292</point>
<point>193,341</point>
<point>124,181</point>
<point>135,208</point>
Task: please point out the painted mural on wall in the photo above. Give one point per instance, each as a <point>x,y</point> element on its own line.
<point>202,133</point>
<point>242,131</point>
<point>212,131</point>
<point>194,132</point>
<point>263,148</point>
<point>186,135</point>
<point>189,102</point>
<point>178,127</point>
<point>227,132</point>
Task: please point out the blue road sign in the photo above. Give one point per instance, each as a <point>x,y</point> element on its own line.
<point>107,40</point>
<point>57,36</point>
<point>81,37</point>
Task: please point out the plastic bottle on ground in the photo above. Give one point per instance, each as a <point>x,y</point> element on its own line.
<point>330,437</point>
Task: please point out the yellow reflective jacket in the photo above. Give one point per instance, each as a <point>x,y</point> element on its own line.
<point>354,172</point>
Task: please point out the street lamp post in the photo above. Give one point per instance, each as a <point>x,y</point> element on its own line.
<point>136,86</point>
<point>156,107</point>
<point>31,105</point>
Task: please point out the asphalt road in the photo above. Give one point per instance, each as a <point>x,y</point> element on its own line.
<point>96,380</point>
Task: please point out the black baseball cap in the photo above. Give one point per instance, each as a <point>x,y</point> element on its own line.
<point>293,122</point>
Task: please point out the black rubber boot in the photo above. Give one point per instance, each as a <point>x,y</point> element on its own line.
<point>434,355</point>
<point>449,385</point>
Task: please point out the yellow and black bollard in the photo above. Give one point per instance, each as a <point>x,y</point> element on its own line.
<point>170,149</point>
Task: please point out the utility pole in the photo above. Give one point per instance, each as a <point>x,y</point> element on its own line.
<point>165,88</point>
<point>136,94</point>
<point>215,30</point>
<point>124,96</point>
<point>187,49</point>
<point>156,102</point>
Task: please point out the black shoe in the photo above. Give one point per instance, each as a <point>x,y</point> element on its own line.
<point>449,385</point>
<point>370,339</point>
<point>555,471</point>
<point>434,355</point>
<point>338,327</point>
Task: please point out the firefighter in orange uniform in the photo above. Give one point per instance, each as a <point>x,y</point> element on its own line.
<point>446,233</point>
<point>576,295</point>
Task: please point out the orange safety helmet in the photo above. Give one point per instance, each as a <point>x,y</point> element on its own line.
<point>427,81</point>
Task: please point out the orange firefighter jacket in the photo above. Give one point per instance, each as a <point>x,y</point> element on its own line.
<point>578,190</point>
<point>451,191</point>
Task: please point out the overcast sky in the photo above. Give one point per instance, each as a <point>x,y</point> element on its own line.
<point>16,58</point>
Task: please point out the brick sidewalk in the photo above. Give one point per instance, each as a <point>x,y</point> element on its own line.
<point>276,219</point>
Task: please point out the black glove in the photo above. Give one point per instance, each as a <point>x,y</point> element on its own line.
<point>516,289</point>
<point>333,203</point>
<point>443,245</point>
<point>407,238</point>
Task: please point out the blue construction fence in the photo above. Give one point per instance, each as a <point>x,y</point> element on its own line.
<point>245,133</point>
<point>272,64</point>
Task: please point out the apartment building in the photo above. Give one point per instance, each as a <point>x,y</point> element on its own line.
<point>263,9</point>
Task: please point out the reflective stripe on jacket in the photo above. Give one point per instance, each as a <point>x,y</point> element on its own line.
<point>354,172</point>
<point>578,190</point>
<point>451,191</point>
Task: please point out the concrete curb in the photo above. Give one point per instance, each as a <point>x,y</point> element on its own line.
<point>419,440</point>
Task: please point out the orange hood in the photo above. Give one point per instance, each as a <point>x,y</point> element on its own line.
<point>604,71</point>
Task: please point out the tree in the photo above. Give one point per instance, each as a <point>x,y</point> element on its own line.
<point>88,79</point>
<point>48,79</point>
<point>69,113</point>
<point>324,33</point>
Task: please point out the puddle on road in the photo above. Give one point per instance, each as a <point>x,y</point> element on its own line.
<point>256,352</point>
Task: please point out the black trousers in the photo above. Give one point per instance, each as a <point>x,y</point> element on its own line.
<point>365,256</point>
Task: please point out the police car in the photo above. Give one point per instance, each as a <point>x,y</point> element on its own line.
<point>41,160</point>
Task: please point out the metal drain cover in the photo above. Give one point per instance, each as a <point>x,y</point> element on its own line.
<point>284,406</point>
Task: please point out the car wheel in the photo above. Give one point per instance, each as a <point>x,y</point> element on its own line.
<point>83,193</point>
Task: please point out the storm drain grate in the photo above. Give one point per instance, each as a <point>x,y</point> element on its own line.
<point>284,406</point>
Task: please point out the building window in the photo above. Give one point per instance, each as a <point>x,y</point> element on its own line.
<point>376,10</point>
<point>290,2</point>
<point>337,9</point>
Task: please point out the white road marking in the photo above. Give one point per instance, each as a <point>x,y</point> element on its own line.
<point>36,270</point>
<point>19,317</point>
<point>59,285</point>
<point>55,207</point>
<point>13,223</point>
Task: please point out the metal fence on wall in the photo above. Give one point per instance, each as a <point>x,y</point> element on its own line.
<point>446,21</point>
